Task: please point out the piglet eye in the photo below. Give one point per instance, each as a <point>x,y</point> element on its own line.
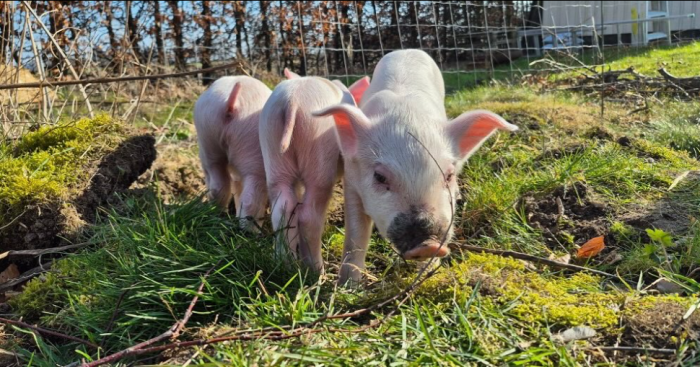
<point>381,179</point>
<point>449,177</point>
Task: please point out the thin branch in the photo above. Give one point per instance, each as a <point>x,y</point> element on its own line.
<point>63,55</point>
<point>535,259</point>
<point>39,252</point>
<point>633,350</point>
<point>29,274</point>
<point>114,315</point>
<point>41,330</point>
<point>59,83</point>
<point>173,332</point>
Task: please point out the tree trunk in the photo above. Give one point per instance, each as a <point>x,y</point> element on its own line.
<point>413,21</point>
<point>113,44</point>
<point>265,32</point>
<point>132,31</point>
<point>176,25</point>
<point>207,42</point>
<point>157,24</point>
<point>302,48</point>
<point>5,30</point>
<point>239,15</point>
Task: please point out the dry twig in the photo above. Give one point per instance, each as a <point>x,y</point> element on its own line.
<point>58,47</point>
<point>535,259</point>
<point>41,330</point>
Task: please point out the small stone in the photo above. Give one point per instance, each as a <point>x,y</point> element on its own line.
<point>665,286</point>
<point>576,333</point>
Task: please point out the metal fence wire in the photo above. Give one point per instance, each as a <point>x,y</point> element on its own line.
<point>474,40</point>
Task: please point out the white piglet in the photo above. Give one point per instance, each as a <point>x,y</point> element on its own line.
<point>401,157</point>
<point>226,117</point>
<point>302,158</point>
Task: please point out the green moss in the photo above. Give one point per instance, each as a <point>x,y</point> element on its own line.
<point>44,164</point>
<point>535,298</point>
<point>621,229</point>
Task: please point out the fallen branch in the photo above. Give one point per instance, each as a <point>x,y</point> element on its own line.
<point>40,252</point>
<point>173,332</point>
<point>43,331</point>
<point>633,350</point>
<point>59,83</point>
<point>27,275</point>
<point>535,259</point>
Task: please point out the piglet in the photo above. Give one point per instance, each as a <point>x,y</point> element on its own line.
<point>302,158</point>
<point>226,117</point>
<point>401,158</point>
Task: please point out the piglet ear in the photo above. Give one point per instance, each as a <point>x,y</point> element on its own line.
<point>232,98</point>
<point>358,88</point>
<point>471,129</point>
<point>290,74</point>
<point>350,122</point>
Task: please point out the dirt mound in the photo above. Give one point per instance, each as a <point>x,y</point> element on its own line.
<point>44,225</point>
<point>174,174</point>
<point>659,324</point>
<point>567,211</point>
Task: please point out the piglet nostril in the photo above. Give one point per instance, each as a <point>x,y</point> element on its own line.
<point>412,229</point>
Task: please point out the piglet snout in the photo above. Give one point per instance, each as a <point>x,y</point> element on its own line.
<point>427,250</point>
<point>415,234</point>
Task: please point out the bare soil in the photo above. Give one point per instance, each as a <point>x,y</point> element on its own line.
<point>567,211</point>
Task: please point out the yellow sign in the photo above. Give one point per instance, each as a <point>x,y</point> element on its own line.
<point>635,26</point>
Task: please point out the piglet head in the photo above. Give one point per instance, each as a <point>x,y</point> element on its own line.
<point>405,173</point>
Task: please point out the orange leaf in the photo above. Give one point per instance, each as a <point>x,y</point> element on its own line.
<point>591,248</point>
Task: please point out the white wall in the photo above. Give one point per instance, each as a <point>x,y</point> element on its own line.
<point>576,13</point>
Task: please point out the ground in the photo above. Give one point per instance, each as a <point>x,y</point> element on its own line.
<point>571,174</point>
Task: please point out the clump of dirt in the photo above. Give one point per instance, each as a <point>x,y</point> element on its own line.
<point>658,324</point>
<point>558,153</point>
<point>599,133</point>
<point>567,214</point>
<point>174,174</point>
<point>44,225</point>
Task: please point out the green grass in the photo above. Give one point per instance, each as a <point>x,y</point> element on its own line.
<point>679,60</point>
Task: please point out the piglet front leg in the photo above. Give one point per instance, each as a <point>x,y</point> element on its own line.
<point>358,229</point>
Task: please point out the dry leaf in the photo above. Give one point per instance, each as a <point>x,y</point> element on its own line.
<point>10,273</point>
<point>591,248</point>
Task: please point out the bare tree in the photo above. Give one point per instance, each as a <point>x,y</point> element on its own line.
<point>176,23</point>
<point>158,33</point>
<point>205,22</point>
<point>264,34</point>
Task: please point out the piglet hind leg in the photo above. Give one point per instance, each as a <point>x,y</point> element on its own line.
<point>237,191</point>
<point>358,229</point>
<point>253,203</point>
<point>219,185</point>
<point>312,220</point>
<point>284,216</point>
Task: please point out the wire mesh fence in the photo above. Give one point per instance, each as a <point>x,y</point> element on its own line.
<point>471,41</point>
<point>474,41</point>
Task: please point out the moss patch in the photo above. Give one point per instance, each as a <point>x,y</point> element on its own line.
<point>54,178</point>
<point>45,164</point>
